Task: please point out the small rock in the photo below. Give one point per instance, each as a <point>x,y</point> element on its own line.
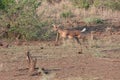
<point>80,52</point>
<point>41,47</point>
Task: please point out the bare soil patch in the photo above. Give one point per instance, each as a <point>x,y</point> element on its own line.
<point>62,62</point>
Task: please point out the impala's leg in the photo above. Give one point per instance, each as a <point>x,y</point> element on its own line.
<point>77,39</point>
<point>71,40</point>
<point>57,38</point>
<point>85,42</point>
<point>64,41</point>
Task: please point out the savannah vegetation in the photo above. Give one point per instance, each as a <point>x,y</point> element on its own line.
<point>30,23</point>
<point>32,19</point>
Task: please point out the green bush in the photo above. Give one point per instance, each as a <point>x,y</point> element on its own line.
<point>48,35</point>
<point>114,5</point>
<point>98,3</point>
<point>81,3</point>
<point>66,14</point>
<point>93,20</point>
<point>110,4</point>
<point>22,18</point>
<point>4,3</point>
<point>26,33</point>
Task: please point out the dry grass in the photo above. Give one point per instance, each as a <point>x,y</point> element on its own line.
<point>107,47</point>
<point>53,12</point>
<point>42,51</point>
<point>82,78</point>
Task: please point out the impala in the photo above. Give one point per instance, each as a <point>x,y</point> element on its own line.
<point>70,34</point>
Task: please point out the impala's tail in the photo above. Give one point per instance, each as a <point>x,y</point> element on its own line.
<point>83,30</point>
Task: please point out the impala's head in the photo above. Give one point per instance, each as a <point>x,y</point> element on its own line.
<point>55,28</point>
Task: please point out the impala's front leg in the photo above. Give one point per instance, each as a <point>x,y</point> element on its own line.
<point>57,38</point>
<point>63,40</point>
<point>78,41</point>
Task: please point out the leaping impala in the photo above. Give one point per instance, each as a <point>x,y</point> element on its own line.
<point>65,33</point>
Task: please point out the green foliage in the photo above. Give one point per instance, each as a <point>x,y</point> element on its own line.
<point>48,35</point>
<point>26,33</point>
<point>5,3</point>
<point>66,14</point>
<point>93,20</point>
<point>111,4</point>
<point>81,3</point>
<point>22,18</point>
<point>97,3</point>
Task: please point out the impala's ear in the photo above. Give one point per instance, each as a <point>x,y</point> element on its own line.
<point>53,25</point>
<point>59,25</point>
<point>56,26</point>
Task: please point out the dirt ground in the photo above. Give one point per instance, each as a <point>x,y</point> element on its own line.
<point>63,62</point>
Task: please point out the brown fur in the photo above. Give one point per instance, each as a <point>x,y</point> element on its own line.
<point>70,34</point>
<point>65,33</point>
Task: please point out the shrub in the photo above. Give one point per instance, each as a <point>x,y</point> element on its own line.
<point>98,3</point>
<point>111,4</point>
<point>93,20</point>
<point>4,3</point>
<point>48,35</point>
<point>22,18</point>
<point>66,14</point>
<point>53,1</point>
<point>81,3</point>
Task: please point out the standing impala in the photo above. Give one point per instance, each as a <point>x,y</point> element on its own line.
<point>65,33</point>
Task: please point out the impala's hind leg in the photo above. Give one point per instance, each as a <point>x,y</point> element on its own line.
<point>78,41</point>
<point>64,41</point>
<point>85,42</point>
<point>72,41</point>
